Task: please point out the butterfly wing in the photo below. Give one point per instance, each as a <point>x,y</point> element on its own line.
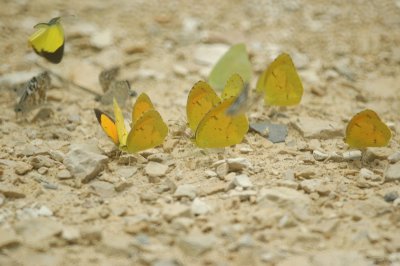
<point>48,40</point>
<point>148,132</point>
<point>233,87</point>
<point>366,129</point>
<point>118,90</point>
<point>235,60</point>
<point>34,93</point>
<point>141,106</point>
<point>202,98</point>
<point>280,83</point>
<point>120,125</point>
<point>107,76</point>
<point>217,129</point>
<point>108,125</point>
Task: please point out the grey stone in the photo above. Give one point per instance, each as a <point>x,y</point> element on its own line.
<point>275,133</point>
<point>391,196</point>
<point>352,155</point>
<point>392,172</point>
<point>85,162</point>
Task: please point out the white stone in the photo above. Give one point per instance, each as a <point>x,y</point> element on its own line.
<point>242,181</point>
<point>209,54</point>
<point>395,157</point>
<point>352,155</point>
<point>185,190</point>
<point>154,169</point>
<point>45,211</point>
<point>199,207</point>
<point>319,155</point>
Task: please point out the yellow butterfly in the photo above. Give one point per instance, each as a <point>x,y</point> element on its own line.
<point>48,40</point>
<point>148,129</point>
<point>366,129</point>
<point>206,114</point>
<point>280,83</point>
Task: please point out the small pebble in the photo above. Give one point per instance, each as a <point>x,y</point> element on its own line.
<point>391,196</point>
<point>394,157</point>
<point>64,174</point>
<point>242,181</point>
<point>319,156</point>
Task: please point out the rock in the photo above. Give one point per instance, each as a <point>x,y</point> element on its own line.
<point>394,157</point>
<point>121,186</point>
<point>376,153</point>
<point>175,210</point>
<point>103,189</point>
<point>238,164</point>
<point>353,155</point>
<point>57,155</point>
<point>210,173</point>
<point>154,169</point>
<point>222,170</point>
<point>41,161</point>
<point>196,244</point>
<point>36,230</point>
<point>8,238</point>
<point>368,175</point>
<point>64,174</point>
<point>102,39</point>
<point>339,258</point>
<point>319,155</point>
<point>70,234</point>
<point>45,211</point>
<point>9,191</point>
<point>392,172</point>
<point>209,54</point>
<point>180,70</point>
<point>310,186</point>
<point>85,161</point>
<point>22,168</point>
<point>185,190</point>
<point>287,198</point>
<point>391,196</point>
<point>275,133</point>
<point>242,181</point>
<point>126,172</point>
<point>199,207</point>
<point>311,127</point>
<point>117,244</point>
<point>297,260</point>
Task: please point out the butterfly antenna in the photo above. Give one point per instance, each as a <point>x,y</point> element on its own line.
<point>69,82</point>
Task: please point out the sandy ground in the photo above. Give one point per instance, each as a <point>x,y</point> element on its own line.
<point>180,205</point>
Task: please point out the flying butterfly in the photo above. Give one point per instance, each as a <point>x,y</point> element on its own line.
<point>34,93</point>
<point>280,83</point>
<point>207,118</point>
<point>235,60</point>
<point>366,129</point>
<point>48,40</point>
<point>148,129</point>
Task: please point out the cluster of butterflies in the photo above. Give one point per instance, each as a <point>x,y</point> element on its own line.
<point>216,121</point>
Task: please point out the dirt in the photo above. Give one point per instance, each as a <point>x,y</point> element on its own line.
<point>180,205</point>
